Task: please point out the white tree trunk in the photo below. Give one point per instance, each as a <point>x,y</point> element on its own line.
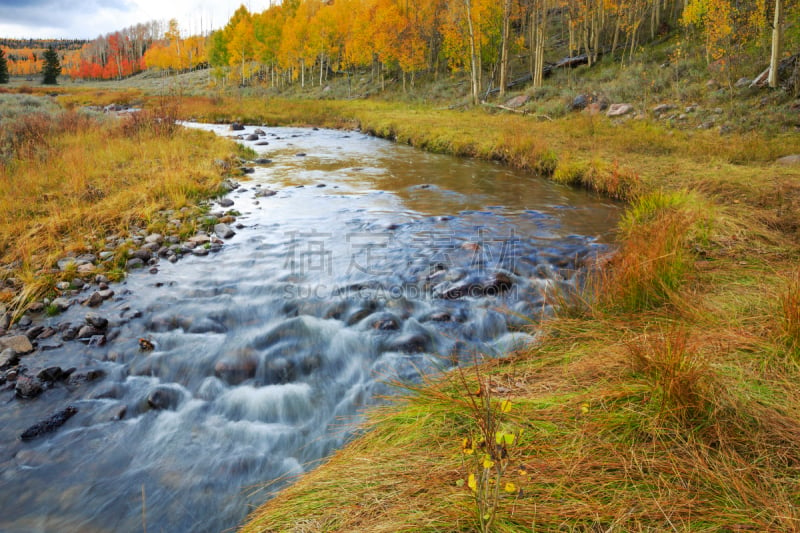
<point>777,38</point>
<point>475,66</point>
<point>505,47</point>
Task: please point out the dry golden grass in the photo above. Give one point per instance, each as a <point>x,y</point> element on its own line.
<point>69,181</point>
<point>789,317</point>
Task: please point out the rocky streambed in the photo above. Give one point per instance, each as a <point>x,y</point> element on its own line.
<point>174,399</point>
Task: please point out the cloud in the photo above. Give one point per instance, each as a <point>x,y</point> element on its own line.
<point>60,18</point>
<point>88,19</point>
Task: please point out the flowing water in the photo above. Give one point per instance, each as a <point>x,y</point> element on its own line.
<point>372,262</point>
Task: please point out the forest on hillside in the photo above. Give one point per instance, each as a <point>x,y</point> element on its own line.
<point>308,41</point>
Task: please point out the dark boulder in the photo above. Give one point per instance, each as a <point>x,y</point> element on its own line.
<point>97,321</point>
<point>143,253</point>
<point>27,387</point>
<point>164,397</point>
<point>8,358</point>
<point>411,343</point>
<point>224,231</point>
<point>85,377</point>
<point>236,368</point>
<point>497,283</point>
<point>53,374</point>
<point>88,331</point>
<point>34,332</point>
<point>579,102</point>
<point>280,370</point>
<point>50,424</point>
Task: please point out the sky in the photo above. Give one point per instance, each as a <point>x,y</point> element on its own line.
<point>87,19</point>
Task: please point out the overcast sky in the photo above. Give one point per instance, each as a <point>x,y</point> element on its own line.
<point>87,19</point>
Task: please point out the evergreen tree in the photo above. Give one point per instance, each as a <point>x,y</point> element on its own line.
<point>51,68</point>
<point>3,67</point>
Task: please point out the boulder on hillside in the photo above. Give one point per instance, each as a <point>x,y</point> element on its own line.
<point>618,110</point>
<point>789,160</point>
<point>518,101</point>
<point>579,102</point>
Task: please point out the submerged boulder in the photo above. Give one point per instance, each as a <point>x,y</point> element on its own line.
<point>27,387</point>
<point>49,424</point>
<point>164,397</point>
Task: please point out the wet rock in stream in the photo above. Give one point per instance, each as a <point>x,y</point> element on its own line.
<point>21,344</point>
<point>27,387</point>
<point>54,374</point>
<point>50,424</point>
<point>237,367</point>
<point>8,358</point>
<point>475,287</point>
<point>164,397</point>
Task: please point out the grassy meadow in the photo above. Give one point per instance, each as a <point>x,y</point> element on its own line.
<point>665,398</point>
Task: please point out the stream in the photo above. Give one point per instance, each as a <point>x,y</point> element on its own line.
<point>358,262</point>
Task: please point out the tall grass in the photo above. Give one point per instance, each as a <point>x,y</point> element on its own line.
<point>655,256</point>
<point>679,377</point>
<point>789,314</point>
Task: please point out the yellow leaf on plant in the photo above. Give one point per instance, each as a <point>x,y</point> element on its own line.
<point>472,483</point>
<point>585,408</point>
<point>510,487</point>
<point>488,463</point>
<point>502,437</point>
<point>505,406</point>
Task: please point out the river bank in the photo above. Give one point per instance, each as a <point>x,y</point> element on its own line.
<point>665,399</point>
